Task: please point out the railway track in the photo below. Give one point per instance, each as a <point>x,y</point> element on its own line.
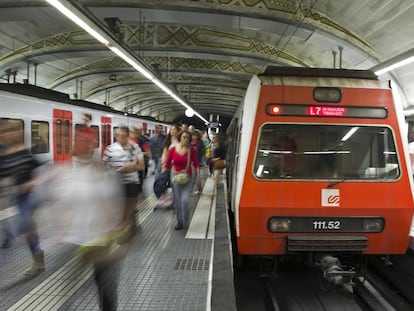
<point>300,288</point>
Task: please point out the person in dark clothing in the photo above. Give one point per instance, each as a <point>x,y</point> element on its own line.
<point>17,164</point>
<point>156,144</point>
<point>218,150</point>
<point>287,145</point>
<point>143,143</point>
<point>198,145</point>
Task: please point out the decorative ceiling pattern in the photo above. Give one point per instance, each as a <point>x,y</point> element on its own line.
<point>206,50</point>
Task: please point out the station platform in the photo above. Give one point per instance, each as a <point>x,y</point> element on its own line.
<point>164,269</point>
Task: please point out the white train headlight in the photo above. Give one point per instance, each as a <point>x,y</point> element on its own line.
<point>279,224</point>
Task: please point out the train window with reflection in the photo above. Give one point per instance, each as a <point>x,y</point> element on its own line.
<point>40,137</point>
<point>14,129</point>
<point>115,129</point>
<point>66,134</point>
<point>78,128</point>
<point>341,152</point>
<point>96,129</point>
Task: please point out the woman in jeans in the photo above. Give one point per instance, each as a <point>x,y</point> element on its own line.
<point>178,157</point>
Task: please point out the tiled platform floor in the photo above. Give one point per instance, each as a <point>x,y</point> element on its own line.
<point>162,270</point>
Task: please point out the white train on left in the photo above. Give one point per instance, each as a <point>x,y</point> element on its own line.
<point>49,120</point>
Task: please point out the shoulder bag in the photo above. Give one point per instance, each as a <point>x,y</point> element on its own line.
<point>181,177</point>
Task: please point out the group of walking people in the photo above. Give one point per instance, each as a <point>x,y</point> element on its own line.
<point>184,152</point>
<point>99,197</point>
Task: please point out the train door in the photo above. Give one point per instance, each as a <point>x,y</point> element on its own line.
<point>144,128</point>
<point>106,137</point>
<point>62,136</point>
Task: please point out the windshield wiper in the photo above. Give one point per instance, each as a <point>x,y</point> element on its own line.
<point>334,183</point>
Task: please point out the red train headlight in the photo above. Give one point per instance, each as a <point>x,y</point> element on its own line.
<point>279,224</point>
<point>373,224</point>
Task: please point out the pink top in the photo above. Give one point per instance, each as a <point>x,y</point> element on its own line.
<point>179,161</point>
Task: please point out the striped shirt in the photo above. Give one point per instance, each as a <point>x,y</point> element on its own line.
<point>115,155</point>
<point>19,164</point>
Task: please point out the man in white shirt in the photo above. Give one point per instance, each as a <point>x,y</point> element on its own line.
<point>126,158</point>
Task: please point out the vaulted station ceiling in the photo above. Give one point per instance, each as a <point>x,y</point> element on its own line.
<point>206,50</point>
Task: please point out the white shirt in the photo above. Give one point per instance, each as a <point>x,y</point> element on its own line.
<point>116,155</point>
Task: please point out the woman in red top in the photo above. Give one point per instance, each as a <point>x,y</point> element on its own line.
<point>178,157</point>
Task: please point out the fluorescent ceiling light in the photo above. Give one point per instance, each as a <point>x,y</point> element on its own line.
<point>350,133</point>
<point>81,20</point>
<point>396,65</point>
<point>162,86</point>
<point>394,62</point>
<point>68,13</point>
<point>132,62</point>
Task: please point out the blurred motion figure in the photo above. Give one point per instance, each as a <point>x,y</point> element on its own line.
<point>18,165</point>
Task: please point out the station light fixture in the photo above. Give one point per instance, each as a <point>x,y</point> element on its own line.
<point>68,12</point>
<point>189,112</point>
<point>79,18</point>
<point>394,62</point>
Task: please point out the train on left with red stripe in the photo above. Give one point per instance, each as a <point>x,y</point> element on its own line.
<point>49,120</point>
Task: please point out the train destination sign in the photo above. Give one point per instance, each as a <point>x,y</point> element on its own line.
<point>326,111</point>
<point>304,110</point>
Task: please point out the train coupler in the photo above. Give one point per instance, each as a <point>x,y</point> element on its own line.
<point>334,273</point>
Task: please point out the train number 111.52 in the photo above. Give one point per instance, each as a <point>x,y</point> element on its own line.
<point>327,225</point>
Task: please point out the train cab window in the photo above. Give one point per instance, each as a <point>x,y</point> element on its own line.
<point>40,137</point>
<point>326,152</point>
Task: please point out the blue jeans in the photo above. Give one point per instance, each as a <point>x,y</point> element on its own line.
<point>157,166</point>
<point>181,201</point>
<point>26,206</point>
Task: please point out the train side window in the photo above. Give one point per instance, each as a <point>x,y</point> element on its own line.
<point>40,137</point>
<point>106,132</point>
<point>58,136</point>
<point>66,131</point>
<point>17,124</point>
<point>96,129</point>
<point>114,132</point>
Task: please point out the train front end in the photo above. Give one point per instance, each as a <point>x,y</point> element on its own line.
<point>327,170</point>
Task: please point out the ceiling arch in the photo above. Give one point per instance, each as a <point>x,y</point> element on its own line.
<point>205,50</point>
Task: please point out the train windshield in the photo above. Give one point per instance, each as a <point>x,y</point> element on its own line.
<point>314,151</point>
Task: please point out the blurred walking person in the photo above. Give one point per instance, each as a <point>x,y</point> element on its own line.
<point>18,165</point>
<point>85,139</point>
<point>87,211</point>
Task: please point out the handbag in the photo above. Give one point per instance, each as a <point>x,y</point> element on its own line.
<point>104,250</point>
<point>181,177</point>
<point>219,164</point>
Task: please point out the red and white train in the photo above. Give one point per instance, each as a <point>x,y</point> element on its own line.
<point>318,164</point>
<point>49,120</point>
